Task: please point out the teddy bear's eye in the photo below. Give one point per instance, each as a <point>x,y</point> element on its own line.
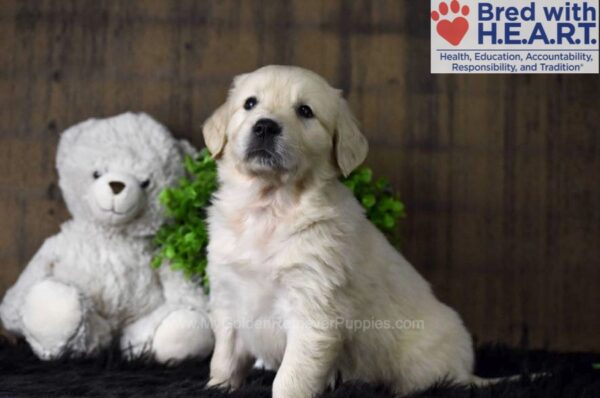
<point>145,184</point>
<point>96,175</point>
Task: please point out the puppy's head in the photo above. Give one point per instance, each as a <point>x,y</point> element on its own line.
<point>285,121</point>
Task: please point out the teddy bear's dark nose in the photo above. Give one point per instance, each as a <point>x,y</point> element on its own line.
<point>116,186</point>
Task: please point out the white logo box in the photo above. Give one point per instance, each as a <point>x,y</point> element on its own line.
<point>514,36</point>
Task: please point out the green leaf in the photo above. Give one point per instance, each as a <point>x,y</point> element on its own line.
<point>368,201</point>
<point>389,222</point>
<point>156,261</point>
<point>170,252</point>
<point>398,206</point>
<point>365,175</point>
<point>189,237</point>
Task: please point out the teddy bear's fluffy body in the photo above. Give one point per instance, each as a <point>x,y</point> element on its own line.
<point>92,281</point>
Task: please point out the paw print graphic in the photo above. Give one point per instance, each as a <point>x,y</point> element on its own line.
<point>454,30</point>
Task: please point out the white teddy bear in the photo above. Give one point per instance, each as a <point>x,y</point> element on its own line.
<point>93,280</point>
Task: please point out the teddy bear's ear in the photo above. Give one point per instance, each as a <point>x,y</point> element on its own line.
<point>68,139</point>
<point>187,149</point>
<point>214,131</point>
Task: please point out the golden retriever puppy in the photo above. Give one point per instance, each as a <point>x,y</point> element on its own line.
<point>299,277</point>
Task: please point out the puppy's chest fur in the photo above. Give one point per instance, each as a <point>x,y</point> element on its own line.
<point>247,254</point>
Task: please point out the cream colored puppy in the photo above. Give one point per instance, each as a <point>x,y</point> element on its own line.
<point>299,277</point>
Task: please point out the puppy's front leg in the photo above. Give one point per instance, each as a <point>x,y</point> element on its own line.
<point>308,361</point>
<point>230,363</point>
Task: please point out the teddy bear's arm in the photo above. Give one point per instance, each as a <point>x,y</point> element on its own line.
<point>179,290</point>
<point>38,268</point>
<point>182,317</point>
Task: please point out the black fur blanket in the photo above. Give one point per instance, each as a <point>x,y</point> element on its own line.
<point>108,375</point>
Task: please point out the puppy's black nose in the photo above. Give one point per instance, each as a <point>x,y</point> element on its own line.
<point>266,127</point>
<point>116,186</point>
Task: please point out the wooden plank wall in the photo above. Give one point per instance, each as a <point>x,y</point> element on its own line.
<point>500,174</point>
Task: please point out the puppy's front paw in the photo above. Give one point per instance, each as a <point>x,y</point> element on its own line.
<point>287,387</point>
<point>216,382</point>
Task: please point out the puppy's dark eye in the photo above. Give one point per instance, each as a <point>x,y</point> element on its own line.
<point>250,103</point>
<point>145,184</point>
<point>305,112</point>
<point>96,175</point>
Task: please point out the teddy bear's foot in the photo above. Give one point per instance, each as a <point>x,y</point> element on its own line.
<point>183,334</point>
<point>52,314</point>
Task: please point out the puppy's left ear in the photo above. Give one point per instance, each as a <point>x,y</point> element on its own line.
<point>214,131</point>
<point>350,144</point>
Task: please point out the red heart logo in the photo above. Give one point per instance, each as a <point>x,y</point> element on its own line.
<point>453,31</point>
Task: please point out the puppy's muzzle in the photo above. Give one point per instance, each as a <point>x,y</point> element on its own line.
<point>263,139</point>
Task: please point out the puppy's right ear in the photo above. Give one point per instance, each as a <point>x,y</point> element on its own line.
<point>214,130</point>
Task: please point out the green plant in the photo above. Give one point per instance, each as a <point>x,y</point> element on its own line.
<point>183,240</point>
<point>382,207</point>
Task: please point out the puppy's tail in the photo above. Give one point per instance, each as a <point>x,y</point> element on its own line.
<point>481,382</point>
